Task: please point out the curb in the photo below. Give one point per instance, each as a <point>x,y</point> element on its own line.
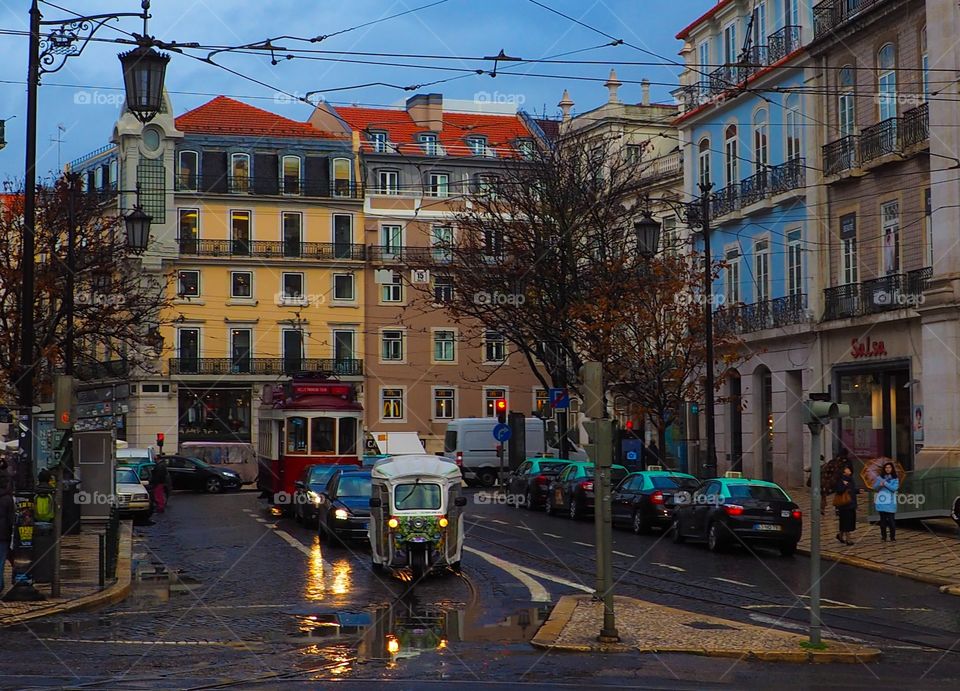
<point>862,563</point>
<point>548,634</point>
<point>110,595</point>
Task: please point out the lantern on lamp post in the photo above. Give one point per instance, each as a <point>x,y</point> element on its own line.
<point>143,74</point>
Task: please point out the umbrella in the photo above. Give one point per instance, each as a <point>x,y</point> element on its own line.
<point>873,467</point>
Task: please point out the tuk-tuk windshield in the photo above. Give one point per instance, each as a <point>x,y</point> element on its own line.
<point>417,496</point>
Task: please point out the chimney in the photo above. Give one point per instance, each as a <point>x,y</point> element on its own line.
<point>612,85</point>
<point>427,111</point>
<point>566,103</point>
<point>645,85</point>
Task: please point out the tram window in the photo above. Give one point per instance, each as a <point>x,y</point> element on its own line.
<point>297,435</point>
<point>347,442</point>
<point>416,496</point>
<point>321,435</point>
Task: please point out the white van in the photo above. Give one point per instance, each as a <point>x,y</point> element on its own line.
<point>470,441</point>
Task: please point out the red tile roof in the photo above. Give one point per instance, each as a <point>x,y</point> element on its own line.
<point>225,115</point>
<point>501,131</point>
<point>702,18</point>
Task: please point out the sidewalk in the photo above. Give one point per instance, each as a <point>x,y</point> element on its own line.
<point>80,575</point>
<point>648,628</point>
<point>928,552</point>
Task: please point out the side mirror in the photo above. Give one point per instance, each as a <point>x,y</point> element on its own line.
<point>460,501</point>
<point>375,502</point>
<point>299,484</point>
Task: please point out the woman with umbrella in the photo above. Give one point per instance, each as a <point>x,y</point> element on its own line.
<point>886,486</point>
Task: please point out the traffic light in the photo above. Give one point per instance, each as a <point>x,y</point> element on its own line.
<point>160,441</point>
<point>62,401</point>
<point>591,388</point>
<point>500,407</point>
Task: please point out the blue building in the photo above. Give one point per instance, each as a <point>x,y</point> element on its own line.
<point>747,131</point>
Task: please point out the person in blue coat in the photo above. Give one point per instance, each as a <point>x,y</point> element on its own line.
<point>886,486</point>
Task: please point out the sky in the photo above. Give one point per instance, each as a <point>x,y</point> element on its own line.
<point>79,104</point>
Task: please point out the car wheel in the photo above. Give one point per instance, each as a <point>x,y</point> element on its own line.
<point>486,477</point>
<point>213,485</point>
<point>639,524</point>
<point>788,549</point>
<point>714,538</point>
<point>528,500</point>
<point>676,535</point>
<point>574,509</point>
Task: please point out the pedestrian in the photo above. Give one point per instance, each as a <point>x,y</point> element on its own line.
<point>8,518</point>
<point>845,501</point>
<point>886,486</point>
<point>830,474</point>
<point>159,477</point>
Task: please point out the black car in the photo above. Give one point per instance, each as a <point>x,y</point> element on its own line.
<point>308,490</point>
<point>648,498</point>
<point>344,509</point>
<point>531,480</point>
<point>187,472</point>
<point>737,511</point>
<point>571,492</point>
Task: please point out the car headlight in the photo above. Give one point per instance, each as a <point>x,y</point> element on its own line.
<point>341,514</point>
<point>230,474</point>
<point>313,497</point>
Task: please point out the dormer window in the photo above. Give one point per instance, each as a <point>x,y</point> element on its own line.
<point>478,146</point>
<point>525,147</point>
<point>291,174</point>
<point>240,173</point>
<point>378,142</point>
<point>429,142</point>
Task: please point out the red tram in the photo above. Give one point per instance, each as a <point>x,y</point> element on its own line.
<point>309,421</point>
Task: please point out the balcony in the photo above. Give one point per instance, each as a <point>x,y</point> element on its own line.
<point>725,200</point>
<point>755,188</point>
<point>788,176</point>
<point>879,140</point>
<point>273,249</point>
<point>783,42</point>
<point>841,155</point>
<point>766,314</point>
<point>896,291</point>
<point>109,369</point>
<point>268,185</point>
<point>412,256</point>
<point>662,167</point>
<point>332,367</point>
<point>915,126</point>
<point>831,14</point>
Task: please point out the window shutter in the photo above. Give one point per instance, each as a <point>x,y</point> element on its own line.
<point>317,172</point>
<point>214,171</point>
<point>266,174</point>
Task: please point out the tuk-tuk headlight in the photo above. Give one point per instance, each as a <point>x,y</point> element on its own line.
<point>393,645</point>
<point>341,514</point>
<point>443,522</point>
<point>393,523</point>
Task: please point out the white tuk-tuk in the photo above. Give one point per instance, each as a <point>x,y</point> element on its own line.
<point>416,513</point>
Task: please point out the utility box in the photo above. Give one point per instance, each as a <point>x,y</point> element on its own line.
<point>94,453</point>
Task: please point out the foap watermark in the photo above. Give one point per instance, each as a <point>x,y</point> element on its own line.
<point>497,97</point>
<point>904,499</point>
<point>501,498</point>
<point>98,98</point>
<point>897,298</point>
<point>496,298</point>
<point>689,297</point>
<point>284,98</point>
<point>97,498</point>
<point>295,499</point>
<point>101,299</point>
<point>308,300</point>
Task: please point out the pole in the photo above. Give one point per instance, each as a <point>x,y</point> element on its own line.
<point>710,466</point>
<point>500,477</point>
<point>604,528</point>
<point>815,624</point>
<point>72,179</point>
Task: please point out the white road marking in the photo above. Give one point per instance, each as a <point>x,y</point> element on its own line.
<point>730,580</point>
<point>495,520</point>
<point>624,554</point>
<point>764,619</point>
<point>582,544</point>
<point>667,566</point>
<point>524,527</point>
<point>559,537</point>
<point>537,592</point>
<point>150,642</point>
<point>292,541</point>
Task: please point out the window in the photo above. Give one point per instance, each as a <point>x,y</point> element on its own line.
<point>730,47</point>
<point>792,13</point>
<point>732,287</point>
<point>378,142</point>
<point>391,345</point>
<point>342,177</point>
<point>343,287</point>
<point>443,404</point>
<point>189,230</point>
<point>188,284</point>
<point>240,232</point>
<point>924,67</point>
<point>297,435</point>
<point>494,347</point>
<point>703,62</point>
<point>928,225</point>
<point>188,349</point>
<point>493,242</point>
<point>292,284</point>
<point>429,142</point>
<point>525,148</point>
<point>291,174</point>
<point>794,263</point>
<point>703,158</point>
<point>846,106</point>
<point>438,185</point>
<point>848,240</point>
<point>343,236</point>
<point>668,231</point>
<point>240,352</point>
<point>890,217</point>
<point>444,346</point>
<point>391,239</point>
<point>793,127</point>
<point>343,349</point>
<point>241,284</point>
<point>417,497</point>
<point>761,148</point>
<point>887,82</point>
<point>347,435</point>
<point>487,184</point>
<point>730,159</point>
<point>490,397</point>
<point>292,350</point>
<point>187,172</point>
<point>759,24</point>
<point>634,153</point>
<point>441,240</point>
<point>321,435</point>
<point>388,182</point>
<point>393,291</point>
<point>292,234</point>
<point>761,269</point>
<point>442,289</point>
<point>391,403</point>
<point>239,172</point>
<point>478,145</point>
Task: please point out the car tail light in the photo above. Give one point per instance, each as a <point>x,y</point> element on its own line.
<point>587,485</point>
<point>542,480</point>
<point>797,513</point>
<point>460,458</point>
<point>733,509</point>
<point>656,497</point>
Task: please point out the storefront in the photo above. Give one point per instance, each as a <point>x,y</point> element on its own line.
<point>214,413</point>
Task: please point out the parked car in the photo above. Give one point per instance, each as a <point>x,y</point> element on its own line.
<point>647,498</point>
<point>572,490</point>
<point>141,460</point>
<point>343,512</point>
<point>308,490</point>
<point>193,474</point>
<point>531,480</point>
<point>727,511</point>
<point>132,499</point>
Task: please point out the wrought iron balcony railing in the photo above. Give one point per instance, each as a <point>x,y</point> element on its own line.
<point>831,14</point>
<point>783,42</point>
<point>915,126</point>
<point>755,187</point>
<point>413,256</point>
<point>841,155</point>
<point>268,185</point>
<point>323,251</point>
<point>344,367</point>
<point>895,291</point>
<point>667,166</point>
<point>725,200</point>
<point>791,175</point>
<point>766,314</point>
<point>879,140</point>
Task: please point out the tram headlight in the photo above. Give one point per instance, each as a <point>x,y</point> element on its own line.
<point>341,514</point>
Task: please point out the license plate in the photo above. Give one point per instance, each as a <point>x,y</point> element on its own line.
<point>766,527</point>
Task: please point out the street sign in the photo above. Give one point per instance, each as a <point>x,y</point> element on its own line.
<point>559,399</point>
<point>501,432</point>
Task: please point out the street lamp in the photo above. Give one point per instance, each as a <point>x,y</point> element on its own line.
<point>143,73</point>
<point>648,234</point>
<point>137,223</point>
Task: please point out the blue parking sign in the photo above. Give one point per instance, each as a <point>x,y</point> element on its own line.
<point>559,399</point>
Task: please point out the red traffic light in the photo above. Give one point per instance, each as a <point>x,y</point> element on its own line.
<point>501,405</point>
<point>629,424</point>
<point>159,436</point>
<point>65,417</point>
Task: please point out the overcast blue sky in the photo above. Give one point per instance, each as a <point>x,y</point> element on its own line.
<point>84,97</point>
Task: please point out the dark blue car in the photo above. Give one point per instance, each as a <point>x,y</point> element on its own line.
<point>344,509</point>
